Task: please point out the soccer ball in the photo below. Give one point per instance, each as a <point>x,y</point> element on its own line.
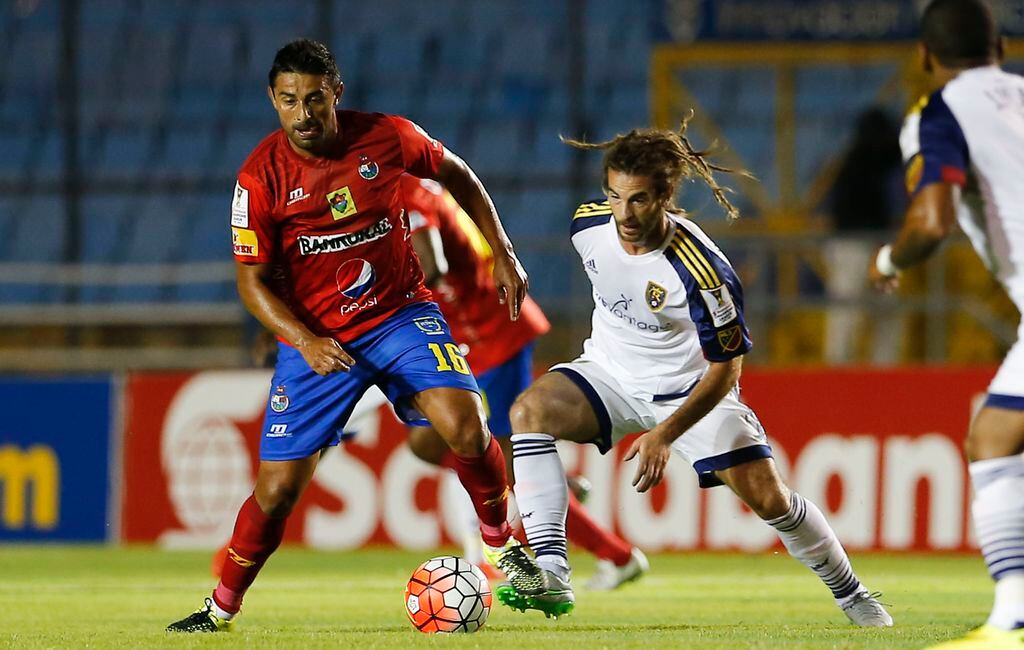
<point>447,594</point>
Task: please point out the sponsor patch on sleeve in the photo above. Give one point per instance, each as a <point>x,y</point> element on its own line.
<point>720,305</point>
<point>240,207</point>
<point>245,242</point>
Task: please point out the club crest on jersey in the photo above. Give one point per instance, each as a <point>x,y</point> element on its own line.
<point>279,401</point>
<point>730,339</point>
<point>367,168</point>
<point>429,325</point>
<point>355,278</point>
<point>654,296</point>
<point>342,204</point>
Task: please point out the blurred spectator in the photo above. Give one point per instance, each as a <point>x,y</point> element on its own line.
<point>865,201</point>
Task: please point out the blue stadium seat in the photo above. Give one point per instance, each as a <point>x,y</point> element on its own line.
<point>187,151</point>
<point>15,150</point>
<point>207,236</point>
<point>497,147</point>
<point>124,153</point>
<point>105,219</point>
<point>39,235</point>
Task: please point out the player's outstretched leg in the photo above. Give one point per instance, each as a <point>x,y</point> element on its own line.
<point>543,500</point>
<point>458,417</point>
<point>997,474</point>
<point>256,535</point>
<point>807,536</point>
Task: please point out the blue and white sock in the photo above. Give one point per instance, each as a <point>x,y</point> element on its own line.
<point>543,498</point>
<point>807,536</point>
<point>998,511</point>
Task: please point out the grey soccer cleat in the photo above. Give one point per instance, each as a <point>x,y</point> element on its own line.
<point>865,610</point>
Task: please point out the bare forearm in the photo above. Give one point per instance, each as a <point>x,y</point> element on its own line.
<point>709,391</point>
<point>271,311</point>
<point>469,192</point>
<point>914,246</point>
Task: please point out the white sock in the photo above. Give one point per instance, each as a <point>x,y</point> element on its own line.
<point>543,498</point>
<point>998,511</point>
<point>807,536</point>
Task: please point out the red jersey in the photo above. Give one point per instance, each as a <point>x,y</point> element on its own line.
<point>334,227</point>
<point>467,294</point>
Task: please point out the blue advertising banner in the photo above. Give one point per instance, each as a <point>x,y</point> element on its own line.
<point>55,443</point>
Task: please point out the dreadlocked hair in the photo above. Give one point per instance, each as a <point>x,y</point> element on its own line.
<point>665,156</point>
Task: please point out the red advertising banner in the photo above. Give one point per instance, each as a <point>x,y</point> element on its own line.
<point>878,450</point>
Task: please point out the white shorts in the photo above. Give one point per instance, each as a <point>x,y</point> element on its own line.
<point>1007,388</point>
<point>729,435</point>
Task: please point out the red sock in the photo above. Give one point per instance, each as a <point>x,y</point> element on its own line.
<point>485,479</point>
<point>256,536</point>
<point>582,530</point>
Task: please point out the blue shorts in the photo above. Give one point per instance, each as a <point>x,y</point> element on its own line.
<point>408,353</point>
<point>501,385</point>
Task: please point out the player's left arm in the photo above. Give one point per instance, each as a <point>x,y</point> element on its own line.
<point>469,192</point>
<point>930,218</point>
<point>654,447</point>
<point>937,165</point>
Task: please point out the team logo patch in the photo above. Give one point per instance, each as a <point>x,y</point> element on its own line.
<point>342,203</point>
<point>367,168</point>
<point>719,303</point>
<point>915,170</point>
<point>355,278</point>
<point>279,400</point>
<point>240,207</point>
<point>429,325</point>
<point>244,242</point>
<point>730,339</point>
<point>655,296</point>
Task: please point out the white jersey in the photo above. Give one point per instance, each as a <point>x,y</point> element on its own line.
<point>971,133</point>
<point>660,316</point>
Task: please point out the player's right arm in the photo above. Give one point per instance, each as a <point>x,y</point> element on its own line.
<point>323,354</point>
<point>252,233</point>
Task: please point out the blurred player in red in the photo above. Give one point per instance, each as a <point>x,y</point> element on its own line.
<point>324,261</point>
<point>456,262</point>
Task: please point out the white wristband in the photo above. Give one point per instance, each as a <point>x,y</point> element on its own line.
<point>884,262</point>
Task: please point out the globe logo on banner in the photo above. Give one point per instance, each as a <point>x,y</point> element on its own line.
<point>355,278</point>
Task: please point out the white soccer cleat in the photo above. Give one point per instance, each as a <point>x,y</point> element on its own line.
<point>609,577</point>
<point>863,609</point>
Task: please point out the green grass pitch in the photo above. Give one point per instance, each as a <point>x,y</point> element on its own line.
<point>108,597</point>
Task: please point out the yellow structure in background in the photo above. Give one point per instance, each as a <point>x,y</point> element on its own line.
<point>795,334</point>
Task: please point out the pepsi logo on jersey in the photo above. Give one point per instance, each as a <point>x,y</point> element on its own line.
<point>355,279</point>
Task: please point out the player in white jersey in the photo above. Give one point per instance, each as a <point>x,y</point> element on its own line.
<point>665,355</point>
<point>963,146</point>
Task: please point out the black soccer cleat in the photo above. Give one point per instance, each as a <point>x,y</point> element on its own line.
<point>202,620</point>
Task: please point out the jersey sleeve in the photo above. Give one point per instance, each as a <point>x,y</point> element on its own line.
<point>714,296</point>
<point>421,154</point>
<point>941,154</point>
<point>421,198</point>
<point>252,229</point>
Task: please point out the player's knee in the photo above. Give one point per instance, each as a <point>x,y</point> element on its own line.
<point>277,498</point>
<point>770,504</point>
<point>466,435</point>
<point>530,413</point>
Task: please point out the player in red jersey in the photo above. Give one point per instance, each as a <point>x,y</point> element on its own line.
<point>456,260</point>
<point>324,260</point>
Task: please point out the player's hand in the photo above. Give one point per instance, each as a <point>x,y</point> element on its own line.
<point>325,355</point>
<point>652,451</point>
<point>510,278</point>
<point>883,283</point>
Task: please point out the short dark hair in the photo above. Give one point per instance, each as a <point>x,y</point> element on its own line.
<point>960,33</point>
<point>305,56</point>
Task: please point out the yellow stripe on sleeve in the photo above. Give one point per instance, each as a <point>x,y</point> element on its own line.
<point>703,261</point>
<point>687,261</point>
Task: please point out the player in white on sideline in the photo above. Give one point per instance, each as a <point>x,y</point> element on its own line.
<point>963,146</point>
<point>664,356</point>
